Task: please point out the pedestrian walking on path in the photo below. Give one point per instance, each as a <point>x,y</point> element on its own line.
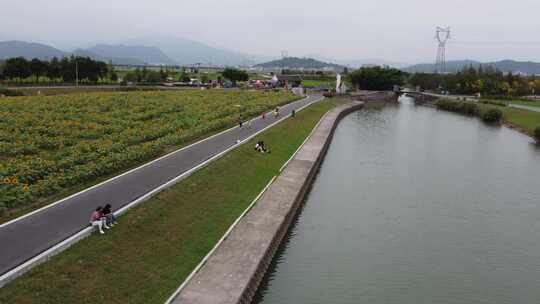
<point>240,121</point>
<point>276,112</point>
<point>263,115</point>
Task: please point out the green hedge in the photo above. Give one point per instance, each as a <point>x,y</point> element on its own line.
<point>495,103</point>
<point>457,106</point>
<point>469,108</point>
<point>492,116</point>
<point>7,92</point>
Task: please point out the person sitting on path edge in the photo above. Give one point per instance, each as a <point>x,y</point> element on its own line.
<point>110,218</point>
<point>97,219</point>
<point>260,147</point>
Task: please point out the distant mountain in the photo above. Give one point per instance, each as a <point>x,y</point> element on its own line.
<point>358,63</point>
<point>30,50</point>
<point>115,60</point>
<point>144,54</point>
<point>185,51</point>
<point>299,63</point>
<point>366,62</point>
<point>9,49</point>
<point>525,67</point>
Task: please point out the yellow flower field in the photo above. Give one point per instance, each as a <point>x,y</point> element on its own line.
<point>50,143</point>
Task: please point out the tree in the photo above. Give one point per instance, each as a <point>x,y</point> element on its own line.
<point>377,78</point>
<point>38,68</point>
<point>204,78</point>
<point>153,77</point>
<point>162,74</point>
<point>54,70</point>
<point>235,75</point>
<point>17,67</point>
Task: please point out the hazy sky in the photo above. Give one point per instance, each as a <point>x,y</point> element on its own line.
<point>395,30</point>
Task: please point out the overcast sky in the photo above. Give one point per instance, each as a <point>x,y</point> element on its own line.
<point>395,30</point>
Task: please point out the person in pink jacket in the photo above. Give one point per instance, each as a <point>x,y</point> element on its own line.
<point>97,219</point>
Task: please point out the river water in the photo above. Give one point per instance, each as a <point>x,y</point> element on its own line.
<point>414,205</point>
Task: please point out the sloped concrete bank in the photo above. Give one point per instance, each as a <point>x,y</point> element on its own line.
<point>234,271</point>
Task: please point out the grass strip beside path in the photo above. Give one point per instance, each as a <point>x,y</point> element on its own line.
<point>158,243</point>
<point>524,120</point>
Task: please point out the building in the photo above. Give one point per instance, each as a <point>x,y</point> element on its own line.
<point>291,81</point>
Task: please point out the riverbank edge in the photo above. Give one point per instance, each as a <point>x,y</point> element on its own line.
<point>232,274</point>
<point>504,123</point>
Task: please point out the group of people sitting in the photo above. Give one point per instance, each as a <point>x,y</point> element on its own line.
<point>260,147</point>
<point>103,217</point>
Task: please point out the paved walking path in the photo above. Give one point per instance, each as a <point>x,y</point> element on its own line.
<point>530,108</point>
<point>23,239</point>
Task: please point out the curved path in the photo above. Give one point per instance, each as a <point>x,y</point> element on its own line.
<point>30,235</point>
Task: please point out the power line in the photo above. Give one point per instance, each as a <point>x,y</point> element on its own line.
<point>495,42</point>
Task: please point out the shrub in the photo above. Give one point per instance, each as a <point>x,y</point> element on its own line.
<point>7,92</point>
<point>492,116</point>
<point>457,106</point>
<point>3,208</point>
<point>537,134</point>
<point>468,108</point>
<point>495,103</point>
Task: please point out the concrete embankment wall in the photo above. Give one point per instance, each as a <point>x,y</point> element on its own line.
<point>234,271</point>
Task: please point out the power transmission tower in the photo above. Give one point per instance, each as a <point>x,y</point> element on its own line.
<point>284,55</point>
<point>442,35</point>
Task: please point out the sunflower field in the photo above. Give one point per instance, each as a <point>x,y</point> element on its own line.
<point>51,143</point>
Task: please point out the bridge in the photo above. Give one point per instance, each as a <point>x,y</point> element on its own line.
<point>422,97</point>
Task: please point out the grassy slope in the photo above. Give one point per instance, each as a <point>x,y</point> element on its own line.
<point>157,244</point>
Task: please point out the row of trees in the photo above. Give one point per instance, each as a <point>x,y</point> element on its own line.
<point>63,70</point>
<point>377,78</point>
<point>487,81</point>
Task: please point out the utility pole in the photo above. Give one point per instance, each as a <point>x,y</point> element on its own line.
<point>284,55</point>
<point>76,72</point>
<point>442,35</point>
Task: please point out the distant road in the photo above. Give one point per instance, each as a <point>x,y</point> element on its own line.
<point>29,236</point>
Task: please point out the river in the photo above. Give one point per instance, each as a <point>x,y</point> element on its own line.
<point>415,205</point>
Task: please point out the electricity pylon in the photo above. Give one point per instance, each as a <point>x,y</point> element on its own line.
<point>442,35</point>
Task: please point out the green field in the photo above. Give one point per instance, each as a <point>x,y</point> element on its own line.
<point>535,103</point>
<point>316,83</point>
<point>525,120</point>
<point>51,146</point>
<point>157,244</point>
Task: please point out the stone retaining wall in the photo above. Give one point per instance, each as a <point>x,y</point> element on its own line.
<point>233,273</point>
